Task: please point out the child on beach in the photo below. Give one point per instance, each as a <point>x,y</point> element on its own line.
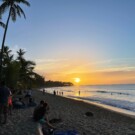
<point>10,104</point>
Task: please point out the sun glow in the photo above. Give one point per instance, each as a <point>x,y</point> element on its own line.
<point>77,80</point>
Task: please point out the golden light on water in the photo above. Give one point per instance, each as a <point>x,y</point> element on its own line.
<point>77,80</point>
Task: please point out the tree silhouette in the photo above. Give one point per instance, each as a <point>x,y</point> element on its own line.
<point>14,10</point>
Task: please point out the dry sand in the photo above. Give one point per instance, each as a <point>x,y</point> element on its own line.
<point>72,113</point>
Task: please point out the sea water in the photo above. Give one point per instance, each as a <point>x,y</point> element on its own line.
<point>115,96</point>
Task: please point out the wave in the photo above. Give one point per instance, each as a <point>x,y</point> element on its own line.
<point>127,105</point>
<point>119,93</point>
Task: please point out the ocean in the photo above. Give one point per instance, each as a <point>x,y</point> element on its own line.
<point>119,98</point>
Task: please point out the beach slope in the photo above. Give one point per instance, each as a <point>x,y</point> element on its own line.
<point>72,113</point>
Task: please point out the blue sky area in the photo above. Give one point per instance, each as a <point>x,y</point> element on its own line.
<point>60,35</point>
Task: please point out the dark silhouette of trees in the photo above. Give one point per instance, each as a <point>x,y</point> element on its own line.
<point>14,10</point>
<point>57,84</point>
<point>19,72</point>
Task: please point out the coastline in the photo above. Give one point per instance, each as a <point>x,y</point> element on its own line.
<point>120,98</point>
<point>108,107</point>
<point>72,112</point>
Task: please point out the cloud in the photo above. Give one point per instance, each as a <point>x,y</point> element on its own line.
<point>50,60</point>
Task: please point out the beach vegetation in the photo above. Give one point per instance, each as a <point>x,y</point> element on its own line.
<point>57,84</point>
<point>18,72</point>
<point>14,10</point>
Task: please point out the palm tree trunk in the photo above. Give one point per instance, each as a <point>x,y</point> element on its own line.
<point>3,42</point>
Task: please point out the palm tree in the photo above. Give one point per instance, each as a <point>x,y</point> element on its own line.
<point>26,68</point>
<point>3,26</point>
<point>14,11</point>
<point>7,57</point>
<point>10,69</point>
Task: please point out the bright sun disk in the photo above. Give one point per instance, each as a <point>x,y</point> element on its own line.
<point>77,80</point>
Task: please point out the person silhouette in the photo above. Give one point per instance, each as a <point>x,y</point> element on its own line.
<point>79,92</point>
<point>54,92</point>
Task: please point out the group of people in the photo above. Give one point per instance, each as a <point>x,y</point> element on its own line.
<point>58,93</point>
<point>7,103</point>
<point>40,112</point>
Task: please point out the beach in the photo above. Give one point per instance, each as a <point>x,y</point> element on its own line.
<point>72,112</point>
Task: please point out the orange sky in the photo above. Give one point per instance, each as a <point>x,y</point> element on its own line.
<point>89,73</point>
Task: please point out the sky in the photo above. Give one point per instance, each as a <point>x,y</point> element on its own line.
<point>93,40</point>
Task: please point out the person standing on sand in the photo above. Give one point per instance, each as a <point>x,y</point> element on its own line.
<point>10,104</point>
<point>79,92</point>
<point>43,91</point>
<point>54,93</point>
<point>4,95</point>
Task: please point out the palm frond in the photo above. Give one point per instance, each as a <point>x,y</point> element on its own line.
<point>20,11</point>
<point>11,57</point>
<point>13,14</point>
<point>31,63</point>
<point>21,51</point>
<point>25,2</point>
<point>2,24</point>
<point>17,10</point>
<point>3,7</point>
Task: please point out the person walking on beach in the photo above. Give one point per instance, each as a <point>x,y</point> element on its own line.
<point>4,95</point>
<point>54,93</point>
<point>79,92</point>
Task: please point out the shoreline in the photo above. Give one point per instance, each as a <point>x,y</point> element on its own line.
<point>108,107</point>
<point>120,111</point>
<point>114,101</point>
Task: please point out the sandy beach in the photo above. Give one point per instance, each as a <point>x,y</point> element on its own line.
<point>72,113</point>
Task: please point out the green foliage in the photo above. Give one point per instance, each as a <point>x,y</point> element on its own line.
<point>18,72</point>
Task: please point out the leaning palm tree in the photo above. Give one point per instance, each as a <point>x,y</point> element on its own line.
<point>14,10</point>
<point>3,26</point>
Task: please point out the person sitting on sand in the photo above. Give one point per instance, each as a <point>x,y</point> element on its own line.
<point>29,93</point>
<point>18,104</point>
<point>40,114</point>
<point>39,111</point>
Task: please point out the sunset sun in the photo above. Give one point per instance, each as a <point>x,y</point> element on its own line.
<point>77,80</point>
